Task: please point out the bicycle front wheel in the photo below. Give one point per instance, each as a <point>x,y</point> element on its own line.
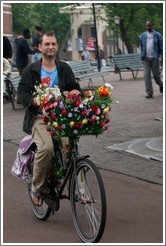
<point>88,202</point>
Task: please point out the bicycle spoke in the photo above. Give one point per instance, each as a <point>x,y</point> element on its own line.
<point>89,209</point>
<point>94,222</point>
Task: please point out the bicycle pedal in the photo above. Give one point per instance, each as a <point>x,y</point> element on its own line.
<point>52,202</point>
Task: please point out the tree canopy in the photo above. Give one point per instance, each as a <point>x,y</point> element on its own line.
<point>133,19</point>
<point>45,15</point>
<point>132,24</point>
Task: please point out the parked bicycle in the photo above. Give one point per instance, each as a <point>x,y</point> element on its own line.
<point>10,93</point>
<point>79,181</point>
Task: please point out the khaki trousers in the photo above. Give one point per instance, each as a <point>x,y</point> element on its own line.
<point>43,156</point>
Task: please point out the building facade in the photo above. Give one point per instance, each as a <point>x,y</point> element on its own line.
<point>7,20</point>
<point>83,33</point>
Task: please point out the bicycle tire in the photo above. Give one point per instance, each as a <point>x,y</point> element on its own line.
<point>88,204</point>
<point>41,212</point>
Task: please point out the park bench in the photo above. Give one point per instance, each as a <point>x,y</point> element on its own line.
<point>127,62</point>
<point>83,70</point>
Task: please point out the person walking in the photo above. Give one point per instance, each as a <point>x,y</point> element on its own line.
<point>35,43</point>
<point>58,73</point>
<point>7,68</point>
<point>23,50</point>
<point>151,43</point>
<point>85,55</point>
<point>7,59</point>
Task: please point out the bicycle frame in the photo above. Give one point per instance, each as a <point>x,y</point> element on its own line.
<point>72,166</point>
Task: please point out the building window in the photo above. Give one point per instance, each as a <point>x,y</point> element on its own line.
<point>92,30</point>
<point>80,32</point>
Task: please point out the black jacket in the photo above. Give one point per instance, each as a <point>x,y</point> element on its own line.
<point>31,77</point>
<point>22,51</point>
<point>7,48</point>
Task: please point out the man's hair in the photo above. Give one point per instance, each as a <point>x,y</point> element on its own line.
<point>48,34</point>
<point>150,21</point>
<point>38,28</point>
<point>26,31</point>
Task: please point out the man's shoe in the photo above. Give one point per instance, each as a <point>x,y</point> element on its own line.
<point>149,96</point>
<point>161,88</point>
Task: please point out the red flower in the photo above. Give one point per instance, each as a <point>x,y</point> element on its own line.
<point>107,120</point>
<point>59,128</point>
<point>77,103</point>
<point>92,120</point>
<point>102,123</point>
<point>84,113</point>
<point>94,108</point>
<point>45,119</point>
<point>53,115</point>
<point>77,125</point>
<point>53,134</point>
<point>63,111</point>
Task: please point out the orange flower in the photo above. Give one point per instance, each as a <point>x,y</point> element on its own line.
<point>104,91</point>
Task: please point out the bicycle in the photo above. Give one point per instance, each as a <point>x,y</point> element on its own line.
<point>11,89</point>
<point>85,190</point>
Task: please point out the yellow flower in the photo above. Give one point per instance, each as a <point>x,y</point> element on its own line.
<point>55,124</point>
<point>72,123</point>
<point>84,121</point>
<point>106,110</point>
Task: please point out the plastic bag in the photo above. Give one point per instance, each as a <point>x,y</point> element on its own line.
<point>24,157</point>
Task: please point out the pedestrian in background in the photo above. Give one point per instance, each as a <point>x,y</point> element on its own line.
<point>7,68</point>
<point>151,43</point>
<point>85,55</point>
<point>23,50</point>
<point>7,49</point>
<point>35,44</point>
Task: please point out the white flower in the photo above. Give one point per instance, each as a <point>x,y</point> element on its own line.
<point>109,86</point>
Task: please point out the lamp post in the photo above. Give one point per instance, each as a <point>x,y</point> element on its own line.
<point>117,22</point>
<point>97,48</point>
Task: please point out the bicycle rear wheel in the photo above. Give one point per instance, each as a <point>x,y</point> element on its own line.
<point>41,212</point>
<point>88,202</point>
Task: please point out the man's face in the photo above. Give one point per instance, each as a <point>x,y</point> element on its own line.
<point>49,46</point>
<point>149,26</point>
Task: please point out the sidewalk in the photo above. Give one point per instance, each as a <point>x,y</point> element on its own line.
<point>134,143</point>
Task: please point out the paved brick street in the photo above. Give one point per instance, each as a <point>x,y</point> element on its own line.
<point>128,154</point>
<point>133,118</point>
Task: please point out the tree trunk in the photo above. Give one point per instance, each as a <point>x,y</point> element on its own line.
<point>124,37</point>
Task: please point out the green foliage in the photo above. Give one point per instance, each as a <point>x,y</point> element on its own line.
<point>134,17</point>
<point>45,15</point>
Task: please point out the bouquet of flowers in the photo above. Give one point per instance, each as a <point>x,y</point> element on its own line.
<point>72,113</point>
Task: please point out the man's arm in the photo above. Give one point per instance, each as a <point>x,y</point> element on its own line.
<point>26,47</point>
<point>24,91</point>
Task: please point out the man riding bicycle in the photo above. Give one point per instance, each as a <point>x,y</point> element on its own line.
<point>58,73</point>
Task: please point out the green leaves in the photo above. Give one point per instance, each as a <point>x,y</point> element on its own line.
<point>134,17</point>
<point>45,15</point>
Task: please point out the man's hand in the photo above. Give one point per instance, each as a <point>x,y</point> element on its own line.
<point>34,102</point>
